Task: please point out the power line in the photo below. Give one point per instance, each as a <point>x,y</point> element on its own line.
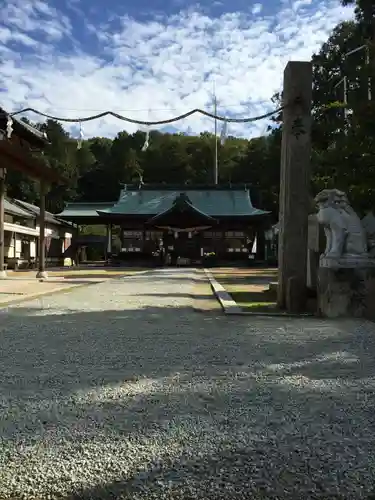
<point>150,123</point>
<point>140,110</point>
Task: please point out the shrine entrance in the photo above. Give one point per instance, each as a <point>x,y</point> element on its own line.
<point>183,244</point>
<point>183,225</point>
<point>188,245</point>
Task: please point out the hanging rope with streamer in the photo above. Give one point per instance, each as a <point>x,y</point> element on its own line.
<point>9,127</point>
<point>147,137</point>
<point>149,123</point>
<point>224,133</point>
<point>81,136</point>
<point>147,141</point>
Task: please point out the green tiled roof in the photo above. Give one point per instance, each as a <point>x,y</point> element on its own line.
<point>84,210</point>
<point>181,204</point>
<point>12,209</point>
<point>35,210</point>
<point>213,202</point>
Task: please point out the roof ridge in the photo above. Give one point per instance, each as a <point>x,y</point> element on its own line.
<point>179,187</point>
<point>90,203</point>
<point>27,207</point>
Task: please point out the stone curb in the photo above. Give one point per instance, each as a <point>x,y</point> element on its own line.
<point>230,307</point>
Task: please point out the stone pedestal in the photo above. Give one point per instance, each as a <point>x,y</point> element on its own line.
<point>345,291</point>
<point>312,269</point>
<point>315,248</point>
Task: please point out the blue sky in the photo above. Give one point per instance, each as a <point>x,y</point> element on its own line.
<point>153,59</point>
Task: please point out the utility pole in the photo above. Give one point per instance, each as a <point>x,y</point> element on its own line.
<point>368,76</point>
<point>367,50</point>
<point>216,168</point>
<point>344,81</point>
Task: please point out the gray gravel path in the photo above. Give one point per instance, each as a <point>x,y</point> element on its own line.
<point>121,390</point>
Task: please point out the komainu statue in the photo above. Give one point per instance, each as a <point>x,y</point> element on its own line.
<point>368,223</point>
<point>344,232</point>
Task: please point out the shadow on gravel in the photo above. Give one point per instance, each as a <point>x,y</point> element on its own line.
<point>79,281</point>
<point>146,278</point>
<point>262,279</point>
<point>208,296</point>
<point>233,407</point>
<point>200,479</point>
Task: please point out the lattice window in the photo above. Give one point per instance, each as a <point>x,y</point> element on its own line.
<point>234,234</point>
<point>132,235</point>
<point>213,234</point>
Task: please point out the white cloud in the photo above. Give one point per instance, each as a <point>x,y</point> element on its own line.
<point>155,69</point>
<point>35,16</point>
<point>257,8</point>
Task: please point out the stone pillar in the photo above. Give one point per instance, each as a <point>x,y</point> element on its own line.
<point>3,273</point>
<point>42,273</point>
<point>294,199</point>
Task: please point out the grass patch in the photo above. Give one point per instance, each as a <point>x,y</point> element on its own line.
<point>249,288</point>
<point>254,301</point>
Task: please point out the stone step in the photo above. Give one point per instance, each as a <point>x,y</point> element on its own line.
<point>273,286</point>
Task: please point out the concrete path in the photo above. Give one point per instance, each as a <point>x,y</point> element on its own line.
<point>23,285</point>
<point>17,289</point>
<point>121,390</point>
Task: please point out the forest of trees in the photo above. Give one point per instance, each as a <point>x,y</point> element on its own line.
<point>343,143</point>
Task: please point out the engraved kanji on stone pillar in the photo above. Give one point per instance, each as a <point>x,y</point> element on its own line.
<point>294,185</point>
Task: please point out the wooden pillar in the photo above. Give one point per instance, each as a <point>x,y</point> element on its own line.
<point>76,246</point>
<point>144,245</point>
<point>294,185</point>
<point>42,274</point>
<point>261,243</point>
<point>122,237</point>
<point>3,273</point>
<point>109,240</point>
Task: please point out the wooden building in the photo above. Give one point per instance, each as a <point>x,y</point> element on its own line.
<point>21,235</point>
<point>18,142</point>
<point>190,222</point>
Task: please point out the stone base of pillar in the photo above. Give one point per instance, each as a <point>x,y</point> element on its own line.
<point>346,292</point>
<point>42,275</point>
<point>3,275</point>
<point>295,299</point>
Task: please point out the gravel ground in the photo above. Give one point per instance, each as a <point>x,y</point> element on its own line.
<point>121,390</point>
